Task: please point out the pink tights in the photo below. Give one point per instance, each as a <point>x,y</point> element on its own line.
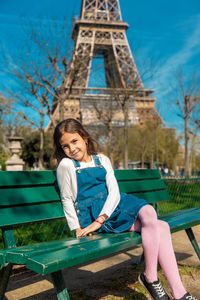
<point>157,245</point>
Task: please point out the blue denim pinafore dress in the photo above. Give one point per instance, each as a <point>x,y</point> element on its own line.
<point>92,193</point>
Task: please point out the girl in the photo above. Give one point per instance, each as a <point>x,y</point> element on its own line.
<point>92,203</point>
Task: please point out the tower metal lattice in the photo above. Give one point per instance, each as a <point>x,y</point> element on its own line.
<point>100,30</point>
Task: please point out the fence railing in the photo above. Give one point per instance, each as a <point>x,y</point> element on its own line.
<point>184,193</point>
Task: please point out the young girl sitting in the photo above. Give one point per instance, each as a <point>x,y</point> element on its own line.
<point>92,203</point>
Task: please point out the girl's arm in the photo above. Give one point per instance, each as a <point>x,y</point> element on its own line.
<point>66,177</point>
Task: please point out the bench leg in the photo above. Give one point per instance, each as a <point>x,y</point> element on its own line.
<point>4,278</point>
<point>59,285</point>
<point>140,262</point>
<point>193,241</point>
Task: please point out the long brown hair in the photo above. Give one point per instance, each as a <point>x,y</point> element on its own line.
<point>71,126</point>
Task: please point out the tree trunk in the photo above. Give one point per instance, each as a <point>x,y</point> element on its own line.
<point>156,144</point>
<point>110,152</point>
<point>192,150</point>
<point>41,151</point>
<point>125,136</point>
<point>152,160</point>
<point>142,160</point>
<point>187,163</point>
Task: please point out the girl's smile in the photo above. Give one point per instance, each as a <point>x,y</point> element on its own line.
<point>75,146</point>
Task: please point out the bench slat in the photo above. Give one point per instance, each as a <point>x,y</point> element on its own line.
<point>54,261</point>
<point>183,219</point>
<point>27,195</point>
<point>141,186</point>
<point>17,178</point>
<point>20,254</point>
<point>136,174</point>
<point>180,213</point>
<point>33,213</point>
<point>154,196</point>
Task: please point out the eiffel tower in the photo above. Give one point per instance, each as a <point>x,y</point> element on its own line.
<point>100,30</point>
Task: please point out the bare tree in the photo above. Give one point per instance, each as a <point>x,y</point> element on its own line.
<point>129,89</point>
<point>188,104</point>
<point>105,113</point>
<point>5,112</point>
<point>124,98</point>
<point>40,68</point>
<point>195,125</point>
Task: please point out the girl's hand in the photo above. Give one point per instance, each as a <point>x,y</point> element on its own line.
<point>78,231</point>
<point>87,230</point>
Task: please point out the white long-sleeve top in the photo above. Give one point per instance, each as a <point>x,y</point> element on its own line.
<point>67,181</point>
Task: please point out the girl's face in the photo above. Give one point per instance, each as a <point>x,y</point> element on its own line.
<point>75,146</point>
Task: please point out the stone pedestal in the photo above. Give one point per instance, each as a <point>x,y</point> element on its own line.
<point>14,163</point>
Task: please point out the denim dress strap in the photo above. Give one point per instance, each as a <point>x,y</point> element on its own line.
<point>76,165</point>
<point>96,162</point>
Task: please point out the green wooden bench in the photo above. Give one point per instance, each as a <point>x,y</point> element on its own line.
<point>28,197</point>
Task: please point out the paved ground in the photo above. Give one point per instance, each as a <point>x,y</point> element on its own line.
<point>30,286</point>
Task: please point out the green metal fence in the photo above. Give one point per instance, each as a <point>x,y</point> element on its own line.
<point>184,193</point>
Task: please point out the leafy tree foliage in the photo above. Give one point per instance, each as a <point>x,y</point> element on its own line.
<point>153,144</point>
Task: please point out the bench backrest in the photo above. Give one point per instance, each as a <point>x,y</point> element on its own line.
<point>28,196</point>
<point>144,183</point>
<point>33,196</point>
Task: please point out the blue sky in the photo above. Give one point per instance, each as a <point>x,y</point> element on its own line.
<point>163,30</point>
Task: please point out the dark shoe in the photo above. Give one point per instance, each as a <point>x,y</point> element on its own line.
<point>155,288</point>
<point>187,296</point>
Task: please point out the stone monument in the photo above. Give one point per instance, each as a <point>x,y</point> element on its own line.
<point>15,163</point>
